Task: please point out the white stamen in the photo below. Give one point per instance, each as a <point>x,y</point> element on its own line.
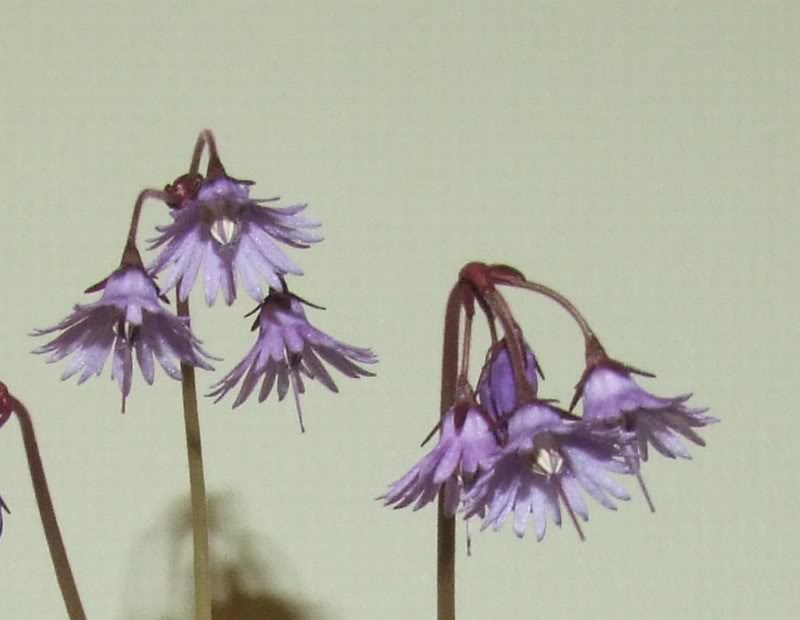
<point>124,329</point>
<point>225,230</point>
<point>547,462</point>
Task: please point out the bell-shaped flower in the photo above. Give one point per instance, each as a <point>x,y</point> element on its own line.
<point>547,462</point>
<point>287,349</point>
<point>466,441</point>
<point>128,318</point>
<point>230,237</point>
<point>611,396</point>
<point>497,387</point>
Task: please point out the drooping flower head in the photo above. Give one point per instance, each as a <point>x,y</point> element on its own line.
<point>611,396</point>
<point>128,317</point>
<point>497,387</point>
<point>287,349</point>
<point>548,461</point>
<point>466,441</point>
<point>219,229</point>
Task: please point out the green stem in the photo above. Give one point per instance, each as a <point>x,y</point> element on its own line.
<point>52,533</point>
<point>202,574</point>
<point>446,526</point>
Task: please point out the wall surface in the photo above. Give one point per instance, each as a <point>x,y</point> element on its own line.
<point>639,156</point>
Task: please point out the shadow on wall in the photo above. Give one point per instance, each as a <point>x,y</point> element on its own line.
<point>160,582</point>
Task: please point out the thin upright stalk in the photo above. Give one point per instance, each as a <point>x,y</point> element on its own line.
<point>58,552</point>
<point>145,194</point>
<point>205,139</point>
<point>197,484</point>
<point>446,526</point>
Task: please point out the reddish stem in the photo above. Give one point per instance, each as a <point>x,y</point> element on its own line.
<point>446,532</point>
<point>47,512</point>
<point>130,255</point>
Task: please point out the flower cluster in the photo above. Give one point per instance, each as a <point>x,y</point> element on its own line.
<point>218,230</point>
<point>504,451</point>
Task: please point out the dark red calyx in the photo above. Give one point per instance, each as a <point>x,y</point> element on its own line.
<point>182,190</point>
<point>504,274</point>
<point>478,275</point>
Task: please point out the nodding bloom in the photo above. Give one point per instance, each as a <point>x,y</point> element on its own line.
<point>466,441</point>
<point>610,395</point>
<point>547,461</point>
<point>3,508</point>
<point>128,317</point>
<point>289,347</point>
<point>497,387</point>
<point>230,236</point>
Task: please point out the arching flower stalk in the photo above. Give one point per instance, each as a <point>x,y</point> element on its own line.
<point>10,405</point>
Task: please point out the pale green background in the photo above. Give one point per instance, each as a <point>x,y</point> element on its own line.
<point>640,156</point>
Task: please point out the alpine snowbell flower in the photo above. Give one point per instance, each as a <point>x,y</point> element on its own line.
<point>497,387</point>
<point>128,317</point>
<point>611,396</point>
<point>287,348</point>
<point>230,236</point>
<point>465,443</point>
<point>547,461</point>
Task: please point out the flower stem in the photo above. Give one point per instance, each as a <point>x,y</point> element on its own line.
<point>525,391</point>
<point>202,574</point>
<point>205,139</point>
<point>131,255</point>
<point>446,525</point>
<point>562,301</point>
<point>58,552</point>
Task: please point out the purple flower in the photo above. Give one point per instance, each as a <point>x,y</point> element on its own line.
<point>3,507</point>
<point>610,395</point>
<point>465,443</point>
<point>230,236</point>
<point>547,461</point>
<point>497,387</point>
<point>128,317</point>
<point>288,346</point>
